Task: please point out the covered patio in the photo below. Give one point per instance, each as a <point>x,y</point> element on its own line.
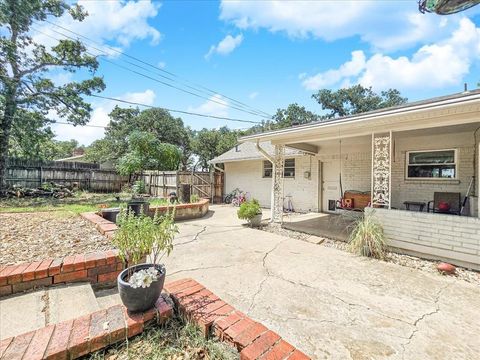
<point>406,160</point>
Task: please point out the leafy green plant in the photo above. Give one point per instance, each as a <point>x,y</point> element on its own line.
<point>139,187</point>
<point>194,198</point>
<point>142,235</point>
<point>367,237</point>
<point>249,209</point>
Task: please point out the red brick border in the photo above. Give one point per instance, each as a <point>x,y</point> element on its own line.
<point>75,338</point>
<point>104,226</point>
<point>96,268</point>
<point>252,339</point>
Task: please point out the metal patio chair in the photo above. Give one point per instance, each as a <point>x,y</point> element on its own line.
<point>453,199</point>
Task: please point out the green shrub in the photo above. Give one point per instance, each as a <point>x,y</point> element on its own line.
<point>194,198</point>
<point>142,235</point>
<point>367,237</point>
<point>249,209</point>
<point>139,187</point>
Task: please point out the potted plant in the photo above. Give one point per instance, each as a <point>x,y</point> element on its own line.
<point>367,237</point>
<point>138,204</point>
<point>251,211</point>
<point>141,283</point>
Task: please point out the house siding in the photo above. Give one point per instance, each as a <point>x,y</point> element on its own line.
<point>422,190</point>
<point>434,236</point>
<point>356,171</point>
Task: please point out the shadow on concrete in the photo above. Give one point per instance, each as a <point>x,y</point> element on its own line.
<point>332,226</point>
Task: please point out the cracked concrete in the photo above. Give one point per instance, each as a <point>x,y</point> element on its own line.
<point>329,303</point>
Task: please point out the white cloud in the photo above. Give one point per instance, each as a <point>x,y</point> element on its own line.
<point>253,95</point>
<point>115,22</point>
<point>401,24</point>
<point>225,46</point>
<point>86,134</point>
<point>161,64</point>
<point>432,66</point>
<point>217,107</point>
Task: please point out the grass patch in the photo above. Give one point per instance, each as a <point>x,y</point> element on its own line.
<point>177,339</point>
<point>81,202</point>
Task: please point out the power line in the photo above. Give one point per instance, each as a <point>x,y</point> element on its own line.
<point>176,111</point>
<point>241,106</point>
<point>172,110</point>
<point>157,68</point>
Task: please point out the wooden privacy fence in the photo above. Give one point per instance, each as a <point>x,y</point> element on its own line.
<point>204,184</point>
<point>33,174</point>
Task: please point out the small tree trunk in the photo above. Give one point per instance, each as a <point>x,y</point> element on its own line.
<point>5,127</point>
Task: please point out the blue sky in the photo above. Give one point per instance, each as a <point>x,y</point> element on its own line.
<point>269,54</point>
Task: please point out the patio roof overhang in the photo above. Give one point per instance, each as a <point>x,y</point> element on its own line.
<point>447,111</point>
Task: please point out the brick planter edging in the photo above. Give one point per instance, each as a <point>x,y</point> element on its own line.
<point>72,339</point>
<point>104,226</point>
<point>97,268</point>
<point>212,314</point>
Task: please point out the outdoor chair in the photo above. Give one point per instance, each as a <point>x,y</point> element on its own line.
<point>453,199</point>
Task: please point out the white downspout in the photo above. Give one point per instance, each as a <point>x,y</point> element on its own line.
<point>269,158</point>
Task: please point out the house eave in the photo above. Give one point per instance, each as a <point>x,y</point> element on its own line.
<point>452,111</point>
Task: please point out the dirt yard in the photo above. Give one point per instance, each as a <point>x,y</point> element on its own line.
<point>35,236</point>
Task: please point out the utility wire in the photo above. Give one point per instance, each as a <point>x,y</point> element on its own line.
<point>240,105</point>
<point>151,106</point>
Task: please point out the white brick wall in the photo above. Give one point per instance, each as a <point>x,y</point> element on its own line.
<point>356,171</point>
<point>422,190</point>
<point>436,236</point>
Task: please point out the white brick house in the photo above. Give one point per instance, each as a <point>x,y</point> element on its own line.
<point>398,155</point>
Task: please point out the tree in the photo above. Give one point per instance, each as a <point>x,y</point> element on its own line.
<point>356,99</point>
<point>294,114</point>
<point>146,152</point>
<point>209,143</point>
<point>158,122</point>
<point>25,65</point>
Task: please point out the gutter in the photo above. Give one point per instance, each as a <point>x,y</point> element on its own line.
<point>217,168</point>
<point>269,158</point>
<point>263,152</point>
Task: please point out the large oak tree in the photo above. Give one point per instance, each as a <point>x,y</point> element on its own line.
<point>26,67</point>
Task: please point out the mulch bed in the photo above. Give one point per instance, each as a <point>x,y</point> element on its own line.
<point>26,237</point>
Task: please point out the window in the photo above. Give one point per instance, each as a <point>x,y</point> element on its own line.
<point>288,169</point>
<point>267,169</point>
<point>435,164</point>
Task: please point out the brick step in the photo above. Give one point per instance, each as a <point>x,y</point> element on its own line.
<point>33,310</point>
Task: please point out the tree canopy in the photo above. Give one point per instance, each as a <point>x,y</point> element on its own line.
<point>123,122</point>
<point>26,67</point>
<point>209,143</point>
<point>355,100</point>
<point>146,152</point>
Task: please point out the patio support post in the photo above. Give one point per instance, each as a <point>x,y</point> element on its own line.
<point>381,170</point>
<point>277,184</point>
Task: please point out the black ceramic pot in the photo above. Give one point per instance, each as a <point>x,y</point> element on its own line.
<point>137,206</point>
<point>140,299</point>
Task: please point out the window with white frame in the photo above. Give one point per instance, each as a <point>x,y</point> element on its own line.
<point>432,164</point>
<point>288,168</point>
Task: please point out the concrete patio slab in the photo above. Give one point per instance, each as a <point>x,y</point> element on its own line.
<point>70,301</point>
<point>33,310</point>
<point>22,313</point>
<point>329,303</point>
<point>332,226</point>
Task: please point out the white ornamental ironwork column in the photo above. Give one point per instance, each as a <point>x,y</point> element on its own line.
<point>381,170</point>
<point>277,191</point>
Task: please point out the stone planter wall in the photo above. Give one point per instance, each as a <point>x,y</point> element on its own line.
<point>184,211</point>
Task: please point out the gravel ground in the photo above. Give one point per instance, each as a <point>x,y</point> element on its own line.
<point>26,237</point>
<point>399,259</point>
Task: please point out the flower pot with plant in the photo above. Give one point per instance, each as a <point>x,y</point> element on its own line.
<point>367,237</point>
<point>251,211</point>
<point>139,204</point>
<point>137,237</point>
